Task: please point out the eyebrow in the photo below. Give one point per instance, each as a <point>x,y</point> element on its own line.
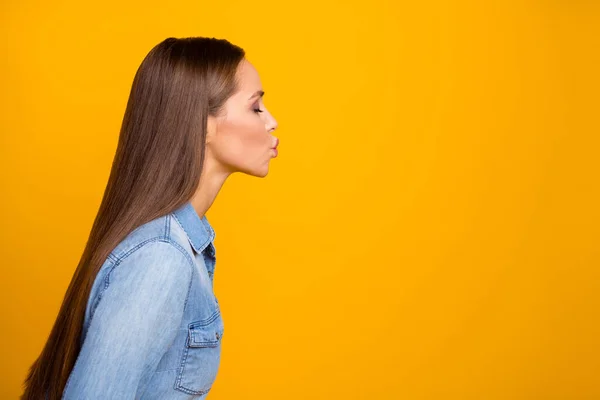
<point>260,93</point>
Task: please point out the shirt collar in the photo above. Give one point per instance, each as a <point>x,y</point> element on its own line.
<point>198,230</point>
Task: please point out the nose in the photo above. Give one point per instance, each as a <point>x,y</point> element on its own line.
<point>272,125</point>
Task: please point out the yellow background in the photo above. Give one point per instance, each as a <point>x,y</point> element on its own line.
<point>429,230</point>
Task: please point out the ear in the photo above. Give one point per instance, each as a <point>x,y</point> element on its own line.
<point>211,128</point>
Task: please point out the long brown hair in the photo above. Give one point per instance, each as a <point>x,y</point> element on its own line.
<point>156,169</point>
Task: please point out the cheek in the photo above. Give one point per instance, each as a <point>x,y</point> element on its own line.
<point>244,141</point>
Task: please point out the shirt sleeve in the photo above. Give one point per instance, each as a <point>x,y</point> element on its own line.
<point>134,323</point>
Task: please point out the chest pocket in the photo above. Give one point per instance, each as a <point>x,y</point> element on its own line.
<point>201,355</point>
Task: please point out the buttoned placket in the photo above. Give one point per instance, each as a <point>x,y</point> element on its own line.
<point>209,260</point>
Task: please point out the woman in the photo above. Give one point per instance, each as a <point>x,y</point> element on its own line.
<point>139,318</point>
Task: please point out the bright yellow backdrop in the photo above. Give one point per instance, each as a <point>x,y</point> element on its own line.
<point>429,230</point>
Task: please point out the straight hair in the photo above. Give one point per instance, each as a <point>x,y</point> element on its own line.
<point>156,169</point>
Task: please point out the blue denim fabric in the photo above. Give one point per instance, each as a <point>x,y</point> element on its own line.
<point>153,325</point>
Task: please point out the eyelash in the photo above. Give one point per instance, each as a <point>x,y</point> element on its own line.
<point>258,110</point>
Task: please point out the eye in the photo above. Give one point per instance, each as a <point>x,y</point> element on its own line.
<point>258,110</point>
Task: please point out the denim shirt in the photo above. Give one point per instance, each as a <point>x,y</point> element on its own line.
<point>153,325</point>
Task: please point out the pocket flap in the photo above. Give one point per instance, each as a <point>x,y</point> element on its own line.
<point>205,335</point>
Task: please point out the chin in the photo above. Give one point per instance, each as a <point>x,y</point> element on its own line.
<point>262,174</point>
<point>259,173</point>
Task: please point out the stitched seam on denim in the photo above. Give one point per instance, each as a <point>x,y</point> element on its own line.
<point>168,227</point>
<point>205,344</point>
<point>181,367</point>
<point>206,321</point>
<point>101,291</point>
<point>164,239</point>
<point>202,247</point>
<point>178,385</point>
<point>187,348</point>
<point>138,246</point>
<point>154,239</point>
<point>192,268</point>
<point>188,391</point>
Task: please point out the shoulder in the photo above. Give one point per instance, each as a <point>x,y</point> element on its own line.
<point>145,267</point>
<point>150,256</point>
<point>155,239</point>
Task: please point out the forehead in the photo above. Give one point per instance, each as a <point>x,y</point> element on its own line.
<point>248,78</point>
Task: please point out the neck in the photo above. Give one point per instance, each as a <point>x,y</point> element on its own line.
<point>212,179</point>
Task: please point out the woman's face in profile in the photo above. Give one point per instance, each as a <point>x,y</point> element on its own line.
<point>240,140</point>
